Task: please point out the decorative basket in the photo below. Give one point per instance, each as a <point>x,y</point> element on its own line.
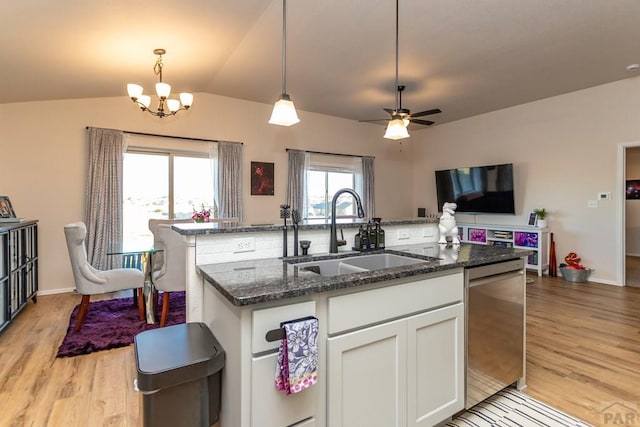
<point>573,275</point>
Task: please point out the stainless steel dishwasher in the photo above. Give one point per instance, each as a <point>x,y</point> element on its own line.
<point>495,325</point>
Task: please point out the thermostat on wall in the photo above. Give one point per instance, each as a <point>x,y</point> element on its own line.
<point>604,195</point>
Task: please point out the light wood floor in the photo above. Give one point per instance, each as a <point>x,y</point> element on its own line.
<point>583,354</point>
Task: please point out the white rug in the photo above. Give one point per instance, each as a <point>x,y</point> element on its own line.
<point>510,408</point>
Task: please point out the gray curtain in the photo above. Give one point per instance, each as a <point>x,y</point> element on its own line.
<point>103,198</point>
<point>368,187</point>
<point>230,179</point>
<point>296,180</point>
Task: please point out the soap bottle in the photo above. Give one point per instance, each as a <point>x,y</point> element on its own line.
<point>372,235</point>
<point>356,239</point>
<point>364,240</point>
<point>379,234</point>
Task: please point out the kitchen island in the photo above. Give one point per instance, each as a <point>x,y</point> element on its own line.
<point>390,340</point>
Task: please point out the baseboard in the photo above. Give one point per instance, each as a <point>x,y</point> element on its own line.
<point>56,291</point>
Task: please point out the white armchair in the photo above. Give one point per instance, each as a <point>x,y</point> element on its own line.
<point>169,269</point>
<point>90,281</point>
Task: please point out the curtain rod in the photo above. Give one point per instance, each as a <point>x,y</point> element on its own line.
<point>171,136</point>
<point>330,154</point>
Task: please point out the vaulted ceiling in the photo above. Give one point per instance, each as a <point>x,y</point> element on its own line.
<point>464,56</point>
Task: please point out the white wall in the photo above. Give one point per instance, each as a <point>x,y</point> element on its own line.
<point>43,158</point>
<point>564,152</point>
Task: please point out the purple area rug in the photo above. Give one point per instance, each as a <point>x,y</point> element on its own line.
<point>113,323</point>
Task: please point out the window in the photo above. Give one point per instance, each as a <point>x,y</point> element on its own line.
<point>162,185</point>
<point>326,175</point>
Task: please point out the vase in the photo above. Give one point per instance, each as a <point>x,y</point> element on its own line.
<point>198,220</point>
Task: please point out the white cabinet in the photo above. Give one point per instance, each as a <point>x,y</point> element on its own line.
<point>435,360</point>
<point>367,382</point>
<point>524,237</point>
<point>390,371</point>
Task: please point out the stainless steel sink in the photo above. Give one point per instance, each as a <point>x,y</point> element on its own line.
<point>357,264</point>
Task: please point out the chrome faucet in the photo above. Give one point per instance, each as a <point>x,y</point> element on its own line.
<point>333,238</point>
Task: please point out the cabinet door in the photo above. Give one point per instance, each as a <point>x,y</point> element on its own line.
<point>367,377</point>
<point>435,364</point>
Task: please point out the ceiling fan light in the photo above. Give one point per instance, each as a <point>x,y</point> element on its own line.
<point>186,99</point>
<point>163,90</point>
<point>134,91</point>
<point>396,130</point>
<point>173,105</point>
<point>284,112</point>
<point>406,122</point>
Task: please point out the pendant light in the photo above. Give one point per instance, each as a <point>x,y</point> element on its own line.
<point>284,112</point>
<point>397,128</point>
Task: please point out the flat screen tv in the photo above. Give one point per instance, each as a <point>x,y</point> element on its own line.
<point>478,189</point>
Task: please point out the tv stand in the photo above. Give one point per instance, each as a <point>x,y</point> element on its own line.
<point>523,237</point>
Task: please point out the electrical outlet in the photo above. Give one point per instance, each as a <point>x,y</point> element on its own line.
<point>592,203</point>
<point>403,234</point>
<point>244,244</point>
<point>427,232</point>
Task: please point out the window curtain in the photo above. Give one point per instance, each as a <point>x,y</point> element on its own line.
<point>299,162</point>
<point>213,157</point>
<point>368,187</point>
<point>230,180</point>
<point>103,197</point>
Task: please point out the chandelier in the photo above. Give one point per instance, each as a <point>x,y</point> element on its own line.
<point>163,90</point>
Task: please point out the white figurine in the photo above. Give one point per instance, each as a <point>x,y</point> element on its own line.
<point>447,224</point>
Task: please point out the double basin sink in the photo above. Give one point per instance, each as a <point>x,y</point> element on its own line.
<point>357,264</point>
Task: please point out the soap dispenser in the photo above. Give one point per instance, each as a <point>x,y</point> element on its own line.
<point>379,234</point>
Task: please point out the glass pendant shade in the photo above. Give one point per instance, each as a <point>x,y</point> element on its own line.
<point>284,112</point>
<point>163,90</point>
<point>173,105</point>
<point>144,100</point>
<point>396,130</point>
<point>186,99</point>
<point>134,90</point>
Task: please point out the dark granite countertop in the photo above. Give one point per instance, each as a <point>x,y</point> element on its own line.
<point>261,280</point>
<point>216,228</point>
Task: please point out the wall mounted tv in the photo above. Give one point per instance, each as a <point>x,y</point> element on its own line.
<point>479,189</point>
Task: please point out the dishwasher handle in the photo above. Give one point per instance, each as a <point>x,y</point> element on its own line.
<point>495,278</point>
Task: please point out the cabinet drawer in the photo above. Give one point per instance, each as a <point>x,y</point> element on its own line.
<point>273,408</point>
<point>270,318</point>
<point>356,310</point>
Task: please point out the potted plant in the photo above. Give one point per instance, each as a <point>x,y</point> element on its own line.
<point>541,217</point>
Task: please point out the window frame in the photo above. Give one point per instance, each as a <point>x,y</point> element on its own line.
<point>325,164</point>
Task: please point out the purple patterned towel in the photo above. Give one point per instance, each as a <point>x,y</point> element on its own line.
<point>298,356</point>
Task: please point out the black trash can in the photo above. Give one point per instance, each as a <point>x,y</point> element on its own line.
<point>179,375</point>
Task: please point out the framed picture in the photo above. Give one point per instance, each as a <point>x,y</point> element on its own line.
<point>532,218</point>
<point>6,210</point>
<point>262,183</point>
<point>633,189</point>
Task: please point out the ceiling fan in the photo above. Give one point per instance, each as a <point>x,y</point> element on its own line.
<point>401,117</point>
<point>405,114</point>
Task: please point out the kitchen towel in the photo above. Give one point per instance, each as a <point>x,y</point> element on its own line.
<point>297,364</point>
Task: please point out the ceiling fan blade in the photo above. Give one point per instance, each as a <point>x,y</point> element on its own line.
<point>421,122</point>
<point>389,110</point>
<point>373,120</point>
<point>427,113</point>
